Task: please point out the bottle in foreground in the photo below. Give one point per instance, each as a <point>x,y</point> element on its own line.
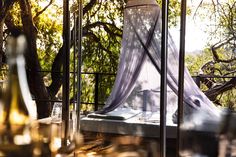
<point>17,110</point>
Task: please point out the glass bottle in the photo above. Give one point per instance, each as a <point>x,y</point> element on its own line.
<point>17,111</point>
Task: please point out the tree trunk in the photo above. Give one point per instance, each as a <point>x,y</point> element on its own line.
<point>35,79</point>
<point>4,9</point>
<point>55,73</point>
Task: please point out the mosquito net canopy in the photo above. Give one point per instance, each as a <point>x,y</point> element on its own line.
<point>137,83</point>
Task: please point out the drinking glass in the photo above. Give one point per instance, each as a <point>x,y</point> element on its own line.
<point>56,113</point>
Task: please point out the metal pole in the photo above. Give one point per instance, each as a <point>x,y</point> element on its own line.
<point>96,91</point>
<point>164,47</point>
<point>181,73</point>
<point>80,31</point>
<point>66,71</point>
<point>73,118</point>
<point>74,60</point>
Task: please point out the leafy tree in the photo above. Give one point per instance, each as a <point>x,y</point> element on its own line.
<point>218,72</point>
<point>41,22</point>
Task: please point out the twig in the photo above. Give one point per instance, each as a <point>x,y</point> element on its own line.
<point>41,11</point>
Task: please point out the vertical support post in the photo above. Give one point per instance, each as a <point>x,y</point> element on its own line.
<point>181,73</point>
<point>73,118</point>
<point>66,71</point>
<point>74,59</point>
<point>163,96</point>
<point>80,31</point>
<point>96,91</point>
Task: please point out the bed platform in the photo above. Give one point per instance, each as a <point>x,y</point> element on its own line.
<point>126,122</point>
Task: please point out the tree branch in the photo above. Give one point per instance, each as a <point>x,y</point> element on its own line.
<point>199,5</point>
<point>100,5</point>
<point>89,6</point>
<point>41,11</point>
<point>213,92</point>
<point>106,26</point>
<point>55,74</point>
<point>11,27</point>
<point>219,45</point>
<point>4,8</point>
<point>100,46</point>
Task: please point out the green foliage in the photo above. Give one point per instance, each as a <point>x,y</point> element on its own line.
<point>102,31</point>
<point>174,12</point>
<point>194,62</point>
<point>49,26</point>
<point>219,57</point>
<point>101,45</point>
<point>16,12</point>
<point>228,99</point>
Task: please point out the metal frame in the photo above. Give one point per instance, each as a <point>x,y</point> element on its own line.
<point>181,72</point>
<point>66,65</point>
<point>164,55</point>
<point>79,41</point>
<point>66,72</point>
<point>163,96</point>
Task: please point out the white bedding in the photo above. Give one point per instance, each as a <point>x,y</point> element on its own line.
<point>118,114</point>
